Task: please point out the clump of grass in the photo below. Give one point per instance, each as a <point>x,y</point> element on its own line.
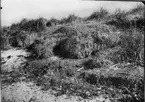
<point>14,39</point>
<point>4,42</point>
<point>119,20</point>
<point>20,38</point>
<point>52,22</point>
<point>136,16</point>
<point>98,15</point>
<point>29,40</point>
<point>120,14</point>
<point>71,18</point>
<point>66,31</point>
<point>129,48</point>
<point>131,44</point>
<point>127,19</point>
<point>139,9</point>
<point>40,49</point>
<point>104,38</point>
<point>30,25</point>
<point>23,33</point>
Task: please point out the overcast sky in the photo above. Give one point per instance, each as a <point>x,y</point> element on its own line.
<point>14,10</point>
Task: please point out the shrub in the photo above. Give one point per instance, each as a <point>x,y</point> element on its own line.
<point>126,19</point>
<point>98,15</point>
<point>113,54</point>
<point>66,31</point>
<point>80,40</point>
<point>136,16</point>
<point>104,37</point>
<point>13,40</point>
<point>23,21</point>
<point>29,40</point>
<point>131,44</point>
<point>85,30</point>
<point>69,19</point>
<point>129,48</point>
<point>119,19</point>
<point>21,38</point>
<point>52,22</point>
<point>119,14</point>
<point>30,25</point>
<point>4,42</point>
<point>74,48</point>
<point>40,49</point>
<point>137,9</point>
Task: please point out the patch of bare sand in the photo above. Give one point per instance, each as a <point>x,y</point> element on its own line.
<point>12,59</point>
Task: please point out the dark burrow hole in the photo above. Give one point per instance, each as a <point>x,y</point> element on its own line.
<point>58,50</point>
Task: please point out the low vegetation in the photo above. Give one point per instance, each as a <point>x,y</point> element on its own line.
<point>101,55</point>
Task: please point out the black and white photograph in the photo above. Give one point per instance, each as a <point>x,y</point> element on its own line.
<point>72,51</point>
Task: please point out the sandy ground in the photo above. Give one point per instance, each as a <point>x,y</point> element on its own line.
<point>27,91</point>
<point>12,59</point>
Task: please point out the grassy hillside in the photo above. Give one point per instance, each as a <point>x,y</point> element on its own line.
<point>102,54</point>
